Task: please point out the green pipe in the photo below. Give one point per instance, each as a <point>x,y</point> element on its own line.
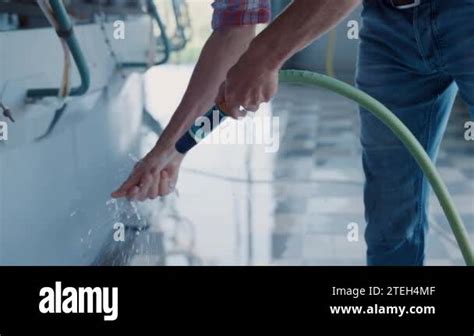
<point>407,138</point>
<point>198,132</point>
<point>66,31</point>
<point>153,10</point>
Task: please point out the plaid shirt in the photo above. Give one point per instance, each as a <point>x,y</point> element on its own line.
<point>240,12</point>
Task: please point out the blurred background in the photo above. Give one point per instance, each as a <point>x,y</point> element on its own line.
<point>236,204</point>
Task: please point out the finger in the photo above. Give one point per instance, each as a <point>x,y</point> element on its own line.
<point>252,108</point>
<point>232,106</point>
<point>243,112</point>
<point>147,184</point>
<point>124,189</point>
<point>154,189</point>
<point>133,179</point>
<point>165,184</point>
<point>144,186</point>
<point>132,194</point>
<point>234,111</point>
<point>267,96</point>
<point>221,94</point>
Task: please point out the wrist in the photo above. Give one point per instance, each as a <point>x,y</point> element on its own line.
<point>164,148</point>
<point>166,144</point>
<point>272,58</point>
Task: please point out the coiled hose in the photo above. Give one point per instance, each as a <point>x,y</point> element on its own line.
<point>196,133</point>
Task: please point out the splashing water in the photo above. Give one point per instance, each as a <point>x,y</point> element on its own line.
<point>133,157</point>
<point>135,210</point>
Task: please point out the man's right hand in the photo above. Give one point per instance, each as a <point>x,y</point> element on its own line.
<point>155,175</point>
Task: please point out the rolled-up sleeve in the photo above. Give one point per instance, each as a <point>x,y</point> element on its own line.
<point>228,13</point>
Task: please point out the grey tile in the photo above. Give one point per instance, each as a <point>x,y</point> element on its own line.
<point>291,205</point>
<point>286,246</point>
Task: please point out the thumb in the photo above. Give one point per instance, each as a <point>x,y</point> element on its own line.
<point>221,94</point>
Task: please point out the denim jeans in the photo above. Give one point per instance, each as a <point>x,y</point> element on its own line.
<point>414,61</point>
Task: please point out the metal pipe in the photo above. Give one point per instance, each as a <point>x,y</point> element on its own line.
<point>181,38</point>
<point>66,31</point>
<point>153,11</point>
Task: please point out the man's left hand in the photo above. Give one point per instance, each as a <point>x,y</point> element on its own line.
<point>249,83</point>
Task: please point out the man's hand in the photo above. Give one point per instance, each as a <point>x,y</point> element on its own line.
<point>254,79</point>
<point>249,83</point>
<point>155,175</point>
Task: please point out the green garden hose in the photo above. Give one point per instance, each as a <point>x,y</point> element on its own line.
<point>191,138</point>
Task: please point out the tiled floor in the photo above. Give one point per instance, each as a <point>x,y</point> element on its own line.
<point>239,205</point>
<point>326,208</point>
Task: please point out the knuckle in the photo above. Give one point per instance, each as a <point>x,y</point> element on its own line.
<point>235,114</point>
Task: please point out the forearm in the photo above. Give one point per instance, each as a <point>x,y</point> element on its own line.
<point>220,53</point>
<point>301,23</point>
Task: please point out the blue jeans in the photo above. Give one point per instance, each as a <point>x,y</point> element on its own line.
<point>414,61</point>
